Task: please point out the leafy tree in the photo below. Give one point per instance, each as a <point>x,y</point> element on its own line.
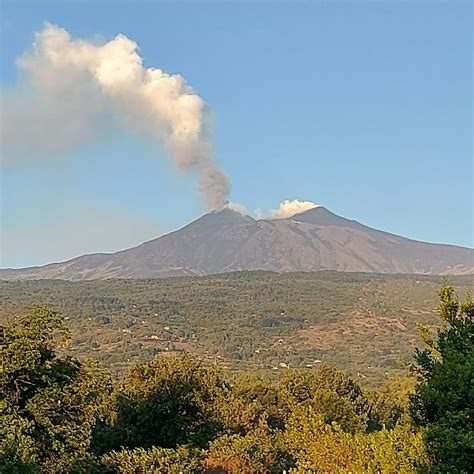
<point>443,402</point>
<point>49,404</point>
<point>336,409</point>
<point>252,398</point>
<point>321,447</point>
<point>300,385</point>
<point>18,451</point>
<point>172,461</point>
<point>167,402</point>
<point>336,397</point>
<point>385,409</point>
<point>259,450</point>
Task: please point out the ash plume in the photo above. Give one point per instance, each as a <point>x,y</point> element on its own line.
<point>73,87</point>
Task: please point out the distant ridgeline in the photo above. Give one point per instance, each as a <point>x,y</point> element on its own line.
<point>227,241</point>
<point>364,324</point>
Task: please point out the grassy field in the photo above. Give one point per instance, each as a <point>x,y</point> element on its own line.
<point>364,324</point>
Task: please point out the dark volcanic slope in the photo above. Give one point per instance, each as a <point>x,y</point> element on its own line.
<point>227,241</point>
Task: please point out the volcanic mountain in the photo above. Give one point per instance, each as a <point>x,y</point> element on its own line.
<point>226,241</point>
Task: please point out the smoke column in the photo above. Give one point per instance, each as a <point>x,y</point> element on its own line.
<point>74,85</point>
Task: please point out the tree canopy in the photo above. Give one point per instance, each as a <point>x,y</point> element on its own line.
<point>180,414</point>
<point>443,403</point>
<point>49,404</point>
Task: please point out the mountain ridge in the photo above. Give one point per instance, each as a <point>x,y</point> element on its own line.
<point>225,240</point>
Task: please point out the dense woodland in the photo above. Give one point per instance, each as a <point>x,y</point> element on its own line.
<point>181,414</point>
<point>363,324</point>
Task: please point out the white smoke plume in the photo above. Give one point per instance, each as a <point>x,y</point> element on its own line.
<point>286,209</point>
<point>290,208</point>
<point>73,87</point>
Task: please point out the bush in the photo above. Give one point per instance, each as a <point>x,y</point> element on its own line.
<point>319,447</point>
<point>172,461</point>
<point>259,450</point>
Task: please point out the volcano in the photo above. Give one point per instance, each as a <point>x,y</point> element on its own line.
<point>227,241</point>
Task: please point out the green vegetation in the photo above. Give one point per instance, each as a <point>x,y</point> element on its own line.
<point>363,324</point>
<point>444,400</point>
<point>181,414</point>
<point>49,404</point>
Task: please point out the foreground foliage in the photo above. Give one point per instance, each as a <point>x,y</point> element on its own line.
<point>444,400</point>
<point>49,404</point>
<point>179,414</point>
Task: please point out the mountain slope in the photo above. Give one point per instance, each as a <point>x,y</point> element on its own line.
<point>227,241</point>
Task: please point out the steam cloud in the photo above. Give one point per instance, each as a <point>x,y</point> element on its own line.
<point>290,208</point>
<point>75,86</point>
<point>286,209</point>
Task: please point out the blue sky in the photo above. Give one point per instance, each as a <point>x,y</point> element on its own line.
<point>363,107</point>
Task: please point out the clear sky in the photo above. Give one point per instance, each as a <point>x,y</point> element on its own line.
<point>363,107</point>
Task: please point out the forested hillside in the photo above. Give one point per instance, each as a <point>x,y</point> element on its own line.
<point>181,415</point>
<point>364,324</point>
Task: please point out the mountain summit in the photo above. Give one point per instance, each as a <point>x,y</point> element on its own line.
<point>225,241</point>
<point>321,216</point>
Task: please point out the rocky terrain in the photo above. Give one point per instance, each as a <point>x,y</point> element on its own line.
<point>226,241</point>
